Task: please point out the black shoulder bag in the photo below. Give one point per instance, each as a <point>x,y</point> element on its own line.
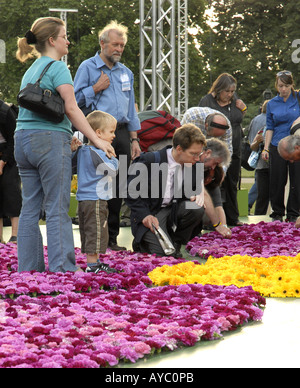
<point>42,101</point>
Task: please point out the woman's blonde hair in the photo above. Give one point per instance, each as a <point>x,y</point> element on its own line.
<point>41,30</point>
<point>103,35</point>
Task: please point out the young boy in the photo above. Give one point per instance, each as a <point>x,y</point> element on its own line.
<point>95,171</point>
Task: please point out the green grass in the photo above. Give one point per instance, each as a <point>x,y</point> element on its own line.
<point>247,174</point>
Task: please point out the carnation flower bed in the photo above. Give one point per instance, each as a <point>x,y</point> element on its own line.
<point>265,239</point>
<point>265,256</point>
<point>277,276</point>
<point>86,320</point>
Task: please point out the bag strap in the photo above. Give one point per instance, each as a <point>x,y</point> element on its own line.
<point>157,156</point>
<point>44,72</point>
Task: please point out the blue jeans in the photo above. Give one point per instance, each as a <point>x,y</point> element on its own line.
<point>44,162</point>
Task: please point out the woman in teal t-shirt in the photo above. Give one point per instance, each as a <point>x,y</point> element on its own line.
<point>43,153</point>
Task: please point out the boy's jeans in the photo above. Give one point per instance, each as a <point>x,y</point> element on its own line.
<point>44,161</point>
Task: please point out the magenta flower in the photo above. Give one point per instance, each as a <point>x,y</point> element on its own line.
<point>55,320</point>
<point>256,240</point>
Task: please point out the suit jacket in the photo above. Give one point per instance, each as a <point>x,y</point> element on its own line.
<point>142,207</point>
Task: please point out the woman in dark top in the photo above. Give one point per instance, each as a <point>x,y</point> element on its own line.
<point>222,97</point>
<point>10,183</point>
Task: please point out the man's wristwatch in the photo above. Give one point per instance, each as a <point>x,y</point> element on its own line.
<point>135,139</point>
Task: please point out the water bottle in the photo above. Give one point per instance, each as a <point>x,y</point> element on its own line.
<point>164,241</point>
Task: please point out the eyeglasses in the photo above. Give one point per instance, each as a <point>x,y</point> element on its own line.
<point>284,72</point>
<point>63,36</point>
<point>196,155</point>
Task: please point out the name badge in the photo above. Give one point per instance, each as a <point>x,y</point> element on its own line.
<point>125,83</point>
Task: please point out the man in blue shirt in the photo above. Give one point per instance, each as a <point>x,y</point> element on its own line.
<point>103,83</point>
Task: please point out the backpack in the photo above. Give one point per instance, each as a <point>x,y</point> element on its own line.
<point>156,126</point>
<point>5,108</point>
<point>8,121</point>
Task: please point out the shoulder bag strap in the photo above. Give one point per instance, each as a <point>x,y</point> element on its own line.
<point>44,72</point>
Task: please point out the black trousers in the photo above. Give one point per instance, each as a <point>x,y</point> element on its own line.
<point>10,192</point>
<point>229,190</point>
<point>189,223</point>
<point>280,170</point>
<point>121,145</point>
<point>263,191</point>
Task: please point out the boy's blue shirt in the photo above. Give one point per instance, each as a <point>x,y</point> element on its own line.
<point>93,181</point>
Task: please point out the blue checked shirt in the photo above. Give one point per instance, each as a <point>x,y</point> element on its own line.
<point>197,116</point>
<point>118,99</point>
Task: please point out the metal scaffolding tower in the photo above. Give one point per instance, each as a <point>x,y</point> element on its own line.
<point>183,58</point>
<point>158,56</point>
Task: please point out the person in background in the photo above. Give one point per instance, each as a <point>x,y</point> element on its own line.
<point>222,97</point>
<point>282,111</point>
<point>93,191</point>
<point>216,159</point>
<point>214,125</point>
<point>211,122</point>
<point>289,147</point>
<point>252,196</point>
<point>10,183</point>
<point>295,128</point>
<point>103,83</point>
<point>256,139</point>
<point>43,153</point>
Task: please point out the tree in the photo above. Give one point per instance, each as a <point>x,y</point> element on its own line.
<point>252,40</point>
<point>82,32</point>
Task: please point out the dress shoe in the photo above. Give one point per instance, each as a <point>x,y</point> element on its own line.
<point>13,239</point>
<point>115,247</point>
<point>135,246</point>
<point>177,254</point>
<point>277,218</point>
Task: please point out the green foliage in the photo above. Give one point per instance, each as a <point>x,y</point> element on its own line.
<point>82,27</point>
<point>253,40</point>
<point>250,39</point>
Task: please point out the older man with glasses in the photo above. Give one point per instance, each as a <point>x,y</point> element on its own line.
<point>289,148</point>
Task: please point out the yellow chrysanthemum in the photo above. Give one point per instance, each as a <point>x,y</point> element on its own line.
<point>277,276</point>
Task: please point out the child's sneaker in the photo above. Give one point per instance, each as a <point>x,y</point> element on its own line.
<point>97,267</point>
